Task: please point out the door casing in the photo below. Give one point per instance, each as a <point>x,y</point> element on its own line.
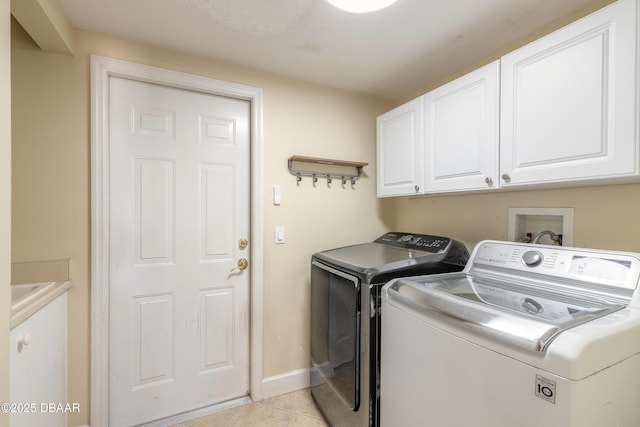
<point>102,69</point>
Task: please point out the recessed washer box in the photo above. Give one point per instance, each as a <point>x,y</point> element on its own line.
<point>536,220</point>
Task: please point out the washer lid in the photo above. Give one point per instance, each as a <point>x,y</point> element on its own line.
<point>517,315</point>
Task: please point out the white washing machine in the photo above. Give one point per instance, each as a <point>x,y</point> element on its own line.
<point>525,336</point>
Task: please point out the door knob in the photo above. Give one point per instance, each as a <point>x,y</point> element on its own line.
<point>242,265</point>
<point>243,243</point>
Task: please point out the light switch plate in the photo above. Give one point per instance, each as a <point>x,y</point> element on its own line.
<point>279,235</point>
<point>276,195</point>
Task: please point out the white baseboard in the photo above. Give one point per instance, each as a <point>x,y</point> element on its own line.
<point>285,383</point>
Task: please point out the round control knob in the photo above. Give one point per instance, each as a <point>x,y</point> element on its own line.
<point>532,258</point>
<point>532,306</point>
<point>406,238</point>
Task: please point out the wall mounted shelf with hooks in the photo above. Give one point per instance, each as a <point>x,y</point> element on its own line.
<point>322,171</point>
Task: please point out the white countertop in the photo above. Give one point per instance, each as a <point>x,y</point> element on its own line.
<point>45,292</point>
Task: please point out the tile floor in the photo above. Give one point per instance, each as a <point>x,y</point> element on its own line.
<point>295,409</point>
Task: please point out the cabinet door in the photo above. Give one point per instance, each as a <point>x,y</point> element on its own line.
<point>39,367</point>
<point>461,132</point>
<point>568,102</point>
<point>400,148</point>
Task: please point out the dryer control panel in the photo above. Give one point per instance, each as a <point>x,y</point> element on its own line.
<point>418,242</point>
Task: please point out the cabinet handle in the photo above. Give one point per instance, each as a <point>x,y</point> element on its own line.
<point>23,340</point>
<point>489,181</point>
<point>506,177</point>
<point>417,188</point>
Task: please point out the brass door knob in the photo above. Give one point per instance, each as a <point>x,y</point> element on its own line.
<point>243,243</point>
<point>242,265</point>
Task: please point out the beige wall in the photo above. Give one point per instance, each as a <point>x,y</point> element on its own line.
<point>5,201</point>
<point>51,200</point>
<point>605,217</point>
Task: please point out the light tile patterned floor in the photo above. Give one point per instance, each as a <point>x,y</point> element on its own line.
<point>295,409</point>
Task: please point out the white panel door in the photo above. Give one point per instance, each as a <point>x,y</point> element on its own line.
<point>400,148</point>
<point>569,102</point>
<point>461,132</point>
<point>179,191</point>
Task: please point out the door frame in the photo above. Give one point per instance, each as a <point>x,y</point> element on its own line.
<point>102,68</point>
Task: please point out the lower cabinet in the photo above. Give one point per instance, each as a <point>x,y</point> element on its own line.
<point>38,366</point>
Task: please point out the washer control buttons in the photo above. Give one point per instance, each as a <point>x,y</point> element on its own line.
<point>532,258</point>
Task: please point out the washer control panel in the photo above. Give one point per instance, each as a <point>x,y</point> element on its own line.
<point>532,258</point>
<point>418,242</point>
<point>619,269</point>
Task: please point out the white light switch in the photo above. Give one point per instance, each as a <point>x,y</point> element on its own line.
<point>279,235</point>
<point>276,195</point>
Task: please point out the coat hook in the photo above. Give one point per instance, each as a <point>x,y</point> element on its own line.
<point>299,177</point>
<point>344,180</point>
<point>329,179</point>
<point>315,178</point>
<point>353,180</point>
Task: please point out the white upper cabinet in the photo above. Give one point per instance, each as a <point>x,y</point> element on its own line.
<point>400,148</point>
<point>560,111</point>
<point>461,132</point>
<point>568,107</point>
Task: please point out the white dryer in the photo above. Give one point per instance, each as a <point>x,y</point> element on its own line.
<point>525,336</point>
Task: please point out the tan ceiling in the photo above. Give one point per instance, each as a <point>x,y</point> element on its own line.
<point>393,54</point>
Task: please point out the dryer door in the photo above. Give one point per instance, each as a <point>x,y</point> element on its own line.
<point>335,330</point>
